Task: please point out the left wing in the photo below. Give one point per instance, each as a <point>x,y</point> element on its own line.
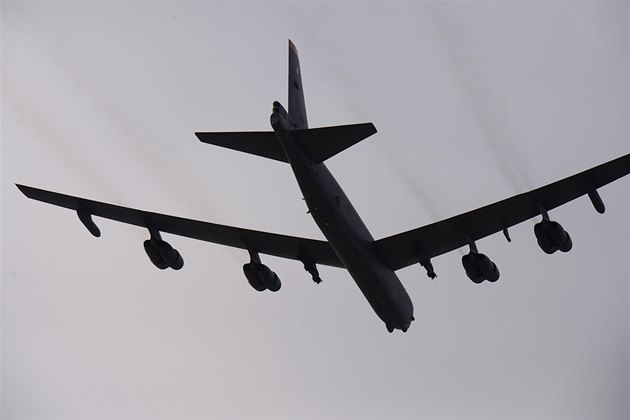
<point>429,241</point>
<point>291,247</point>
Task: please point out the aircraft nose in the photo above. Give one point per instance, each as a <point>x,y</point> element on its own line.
<point>406,327</point>
<point>406,314</point>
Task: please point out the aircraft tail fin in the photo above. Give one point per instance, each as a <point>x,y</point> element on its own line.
<point>297,108</point>
<point>319,144</point>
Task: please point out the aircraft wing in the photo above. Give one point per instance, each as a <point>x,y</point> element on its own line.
<point>266,243</point>
<point>404,249</point>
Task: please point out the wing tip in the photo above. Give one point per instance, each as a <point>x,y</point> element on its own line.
<point>204,137</point>
<point>24,189</point>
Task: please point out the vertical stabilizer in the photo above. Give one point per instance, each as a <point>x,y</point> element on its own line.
<point>297,108</point>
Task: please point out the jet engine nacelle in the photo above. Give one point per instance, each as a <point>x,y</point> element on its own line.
<point>479,267</point>
<point>552,237</point>
<point>260,277</point>
<point>163,255</point>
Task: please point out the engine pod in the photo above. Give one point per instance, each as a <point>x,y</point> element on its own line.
<point>154,255</point>
<point>254,280</point>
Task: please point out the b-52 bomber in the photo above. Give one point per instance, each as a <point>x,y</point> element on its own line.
<point>371,263</point>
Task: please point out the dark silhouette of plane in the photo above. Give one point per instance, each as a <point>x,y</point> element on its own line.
<point>372,264</point>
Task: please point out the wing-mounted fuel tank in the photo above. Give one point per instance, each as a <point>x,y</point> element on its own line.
<point>259,276</point>
<point>551,235</point>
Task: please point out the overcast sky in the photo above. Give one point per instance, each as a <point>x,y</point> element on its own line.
<point>473,102</point>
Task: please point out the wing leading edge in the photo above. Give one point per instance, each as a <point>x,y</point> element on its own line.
<point>404,249</point>
<point>284,246</point>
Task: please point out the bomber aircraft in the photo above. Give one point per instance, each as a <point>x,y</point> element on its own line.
<point>371,263</point>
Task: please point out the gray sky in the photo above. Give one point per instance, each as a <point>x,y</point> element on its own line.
<point>474,102</point>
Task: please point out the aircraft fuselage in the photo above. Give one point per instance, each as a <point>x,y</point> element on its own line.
<point>347,234</point>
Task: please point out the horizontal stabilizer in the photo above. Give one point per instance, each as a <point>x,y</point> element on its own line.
<point>318,143</point>
<point>325,142</point>
<point>259,143</point>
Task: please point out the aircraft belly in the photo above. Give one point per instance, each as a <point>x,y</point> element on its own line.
<point>352,242</point>
<point>380,285</point>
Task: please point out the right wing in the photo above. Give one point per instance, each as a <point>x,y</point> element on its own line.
<point>405,248</point>
<point>291,247</point>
